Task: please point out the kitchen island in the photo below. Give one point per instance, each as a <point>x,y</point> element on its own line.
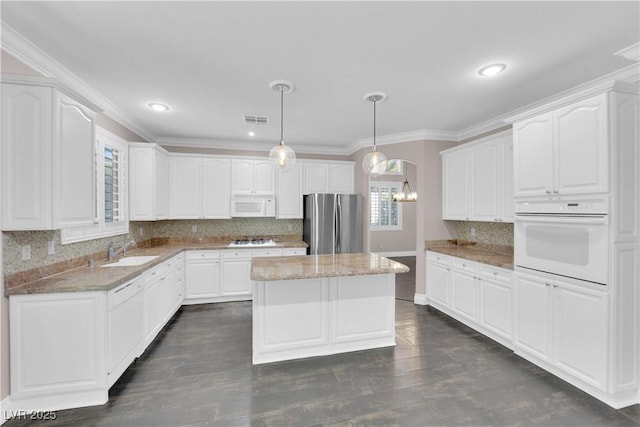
<point>305,306</point>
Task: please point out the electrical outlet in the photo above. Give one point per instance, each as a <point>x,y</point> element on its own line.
<point>26,252</point>
<point>51,247</point>
<point>290,227</point>
<point>473,231</point>
<point>194,228</point>
<point>140,231</point>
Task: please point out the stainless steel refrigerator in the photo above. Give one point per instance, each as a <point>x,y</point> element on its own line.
<point>332,223</point>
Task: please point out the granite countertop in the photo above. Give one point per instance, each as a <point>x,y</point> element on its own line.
<point>96,278</point>
<point>314,266</point>
<point>499,256</point>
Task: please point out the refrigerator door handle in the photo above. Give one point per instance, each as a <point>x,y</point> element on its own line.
<point>336,218</point>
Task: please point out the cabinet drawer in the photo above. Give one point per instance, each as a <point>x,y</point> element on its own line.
<point>123,292</point>
<point>193,255</point>
<point>294,251</point>
<point>237,254</point>
<point>497,273</point>
<point>464,264</point>
<point>437,257</point>
<point>257,253</point>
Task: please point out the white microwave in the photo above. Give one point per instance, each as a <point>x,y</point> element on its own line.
<point>252,205</point>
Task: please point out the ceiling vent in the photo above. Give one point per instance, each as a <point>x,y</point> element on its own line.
<point>256,120</point>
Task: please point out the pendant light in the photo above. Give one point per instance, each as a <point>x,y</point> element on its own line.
<point>284,156</point>
<point>374,162</point>
<point>406,195</point>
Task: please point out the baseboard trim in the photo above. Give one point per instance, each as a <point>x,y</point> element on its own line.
<point>420,299</point>
<point>396,253</point>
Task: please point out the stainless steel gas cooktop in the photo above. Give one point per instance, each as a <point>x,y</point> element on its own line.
<point>252,242</point>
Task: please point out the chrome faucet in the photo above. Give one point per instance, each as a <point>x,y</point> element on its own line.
<point>112,252</point>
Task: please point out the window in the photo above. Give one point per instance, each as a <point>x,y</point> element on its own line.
<point>111,154</point>
<point>384,213</point>
<point>394,167</point>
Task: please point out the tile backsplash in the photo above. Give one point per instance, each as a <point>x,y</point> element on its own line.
<point>75,254</point>
<point>490,233</point>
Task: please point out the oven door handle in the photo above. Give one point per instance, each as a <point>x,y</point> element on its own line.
<point>574,219</point>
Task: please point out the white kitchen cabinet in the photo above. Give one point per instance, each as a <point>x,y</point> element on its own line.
<point>564,151</point>
<point>478,295</point>
<point>125,327</point>
<point>455,186</point>
<point>328,177</point>
<point>564,327</point>
<point>148,182</point>
<point>200,187</point>
<point>48,163</point>
<point>235,273</point>
<point>159,299</point>
<point>438,280</point>
<point>179,288</point>
<point>202,275</point>
<point>289,193</point>
<point>58,346</point>
<point>252,176</point>
<point>294,251</point>
<point>478,180</point>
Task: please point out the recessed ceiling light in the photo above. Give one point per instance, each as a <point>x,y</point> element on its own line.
<point>491,70</point>
<point>158,107</point>
<point>252,134</point>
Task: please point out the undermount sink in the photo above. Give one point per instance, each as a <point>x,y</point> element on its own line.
<point>130,261</point>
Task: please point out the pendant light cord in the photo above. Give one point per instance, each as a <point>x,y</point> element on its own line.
<point>374,124</point>
<point>281,115</point>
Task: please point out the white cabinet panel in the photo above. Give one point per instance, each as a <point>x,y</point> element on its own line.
<point>160,182</point>
<point>456,186</point>
<point>289,193</point>
<point>507,181</point>
<point>316,177</point>
<point>264,176</point>
<point>148,182</point>
<point>495,306</point>
<point>485,181</point>
<point>464,294</point>
<point>48,163</point>
<point>341,178</point>
<point>216,188</point>
<point>235,276</point>
<point>533,317</point>
<point>533,156</point>
<point>186,188</point>
<point>438,283</point>
<point>250,176</point>
<point>203,274</point>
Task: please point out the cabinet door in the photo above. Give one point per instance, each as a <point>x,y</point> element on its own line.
<point>161,185</point>
<point>316,178</point>
<point>264,177</point>
<point>236,276</point>
<point>289,194</point>
<point>185,194</point>
<point>203,278</point>
<point>341,178</point>
<point>464,294</point>
<point>140,180</point>
<point>455,186</point>
<point>581,149</point>
<point>74,164</point>
<point>495,307</point>
<point>241,176</point>
<point>506,202</point>
<point>26,157</point>
<point>533,317</point>
<point>485,181</point>
<point>153,307</point>
<point>580,320</point>
<point>533,156</point>
<point>125,329</point>
<point>438,284</point>
<point>216,188</point>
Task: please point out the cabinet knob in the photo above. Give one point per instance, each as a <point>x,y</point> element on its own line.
<point>548,191</point>
<point>555,285</point>
<point>547,283</point>
<point>555,191</point>
<point>495,273</point>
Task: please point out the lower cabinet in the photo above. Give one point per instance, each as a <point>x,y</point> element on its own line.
<point>236,268</point>
<point>564,326</point>
<point>203,275</point>
<point>478,295</point>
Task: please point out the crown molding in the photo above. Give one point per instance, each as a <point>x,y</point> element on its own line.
<point>241,145</point>
<point>23,49</point>
<point>624,80</point>
<point>631,53</point>
<point>397,138</point>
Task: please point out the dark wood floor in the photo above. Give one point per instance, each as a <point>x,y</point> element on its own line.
<point>199,372</point>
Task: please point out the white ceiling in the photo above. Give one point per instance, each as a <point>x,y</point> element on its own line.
<point>212,62</point>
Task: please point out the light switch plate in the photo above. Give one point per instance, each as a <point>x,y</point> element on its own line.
<point>51,247</point>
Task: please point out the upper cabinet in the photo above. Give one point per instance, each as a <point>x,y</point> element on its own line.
<point>478,180</point>
<point>564,151</point>
<point>328,177</point>
<point>200,187</point>
<point>48,159</point>
<point>148,182</point>
<point>251,176</point>
<point>289,192</point>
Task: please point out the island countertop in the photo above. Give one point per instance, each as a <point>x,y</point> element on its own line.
<point>329,265</point>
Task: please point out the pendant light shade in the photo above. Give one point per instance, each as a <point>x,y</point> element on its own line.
<point>283,156</point>
<point>374,162</point>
